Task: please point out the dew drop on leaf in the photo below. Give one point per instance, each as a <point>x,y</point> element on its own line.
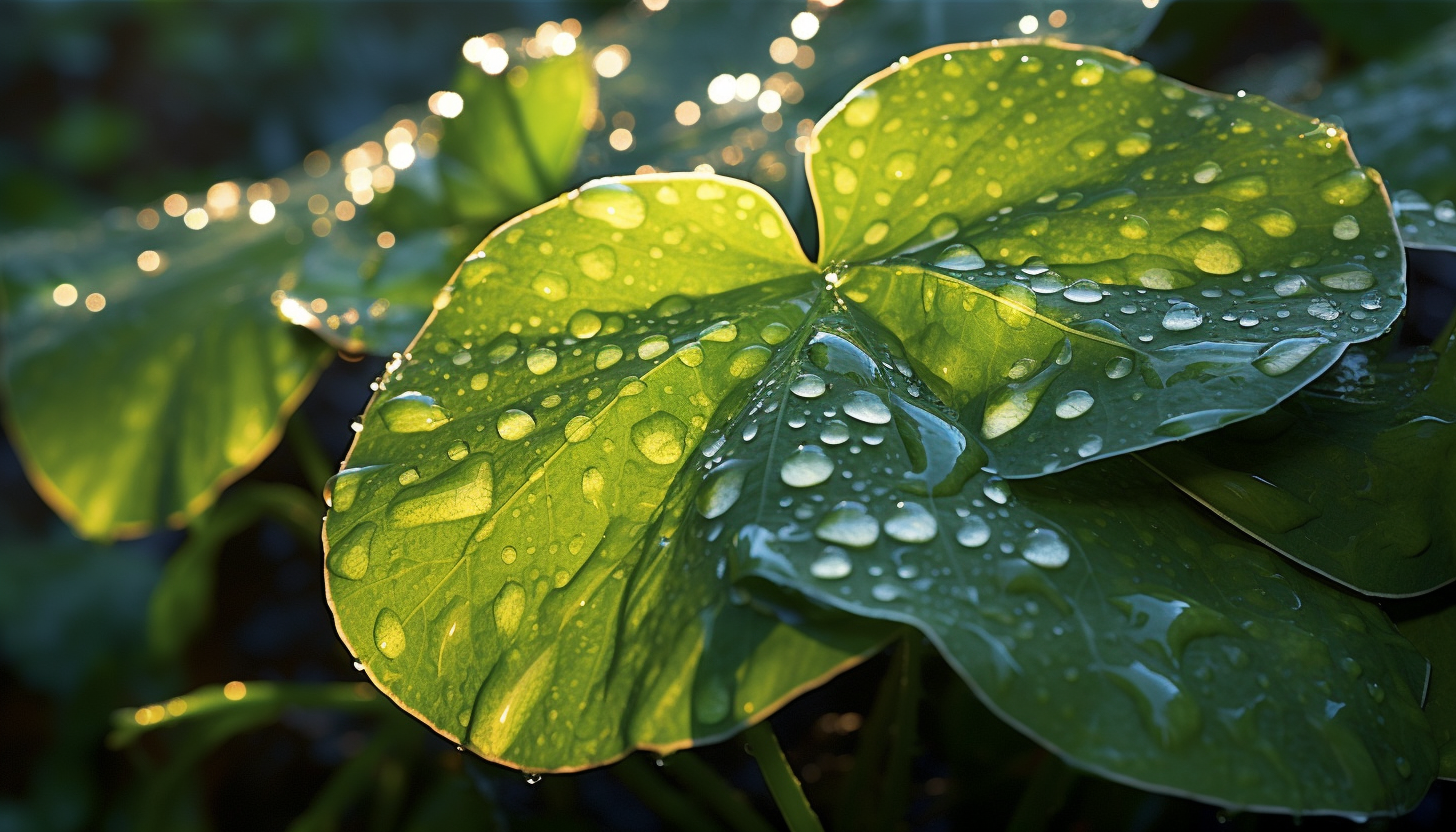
<point>805,467</point>
<point>1183,316</point>
<point>911,523</point>
<point>960,257</point>
<point>389,633</point>
<point>1045,548</point>
<point>660,437</point>
<point>974,533</point>
<point>412,412</point>
<point>849,524</point>
<point>613,203</point>
<point>832,565</point>
<point>515,424</point>
<point>866,407</point>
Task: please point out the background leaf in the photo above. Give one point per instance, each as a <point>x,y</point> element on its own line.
<point>1432,629</point>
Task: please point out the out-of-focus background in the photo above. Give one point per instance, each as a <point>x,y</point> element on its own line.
<point>109,104</point>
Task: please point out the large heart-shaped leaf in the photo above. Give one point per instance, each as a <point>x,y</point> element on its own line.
<point>548,430</point>
<point>1096,609</point>
<point>1353,477</point>
<point>504,554</point>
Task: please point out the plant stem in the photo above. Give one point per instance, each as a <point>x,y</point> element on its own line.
<point>1044,796</point>
<point>895,798</point>
<point>782,784</point>
<point>667,802</point>
<point>853,811</point>
<point>709,788</point>
<point>308,453</point>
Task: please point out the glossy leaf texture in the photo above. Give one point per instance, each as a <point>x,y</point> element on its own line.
<point>515,140</point>
<point>1423,224</point>
<point>1352,477</point>
<point>1431,627</point>
<point>1095,609</point>
<point>1202,256</point>
<point>504,552</point>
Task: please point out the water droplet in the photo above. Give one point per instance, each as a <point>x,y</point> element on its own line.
<point>611,202</point>
<point>1134,227</point>
<point>457,450</point>
<point>508,554</point>
<point>1276,222</point>
<point>389,633</point>
<point>652,346</point>
<point>607,356</point>
<point>1010,405</point>
<point>409,476</point>
<point>1087,73</point>
<point>1206,172</point>
<point>721,490</point>
<point>514,424</point>
<point>551,286</point>
<point>834,432</point>
<point>1118,367</point>
<point>502,348</point>
<point>866,407</point>
<point>343,487</point>
<point>845,180</point>
<point>592,483</point>
<point>1183,316</point>
<point>1074,404</point>
<point>465,490</point>
<point>584,324</point>
<point>748,361</point>
<point>862,108</point>
<point>901,164</point>
<point>775,333</point>
<point>721,332</point>
<point>1091,447</point>
<point>996,491</point>
<point>848,524</point>
<point>541,360</point>
<point>1283,356</point>
<point>833,565</point>
<point>1346,228</point>
<point>660,437</point>
<point>412,412</point>
<point>1322,309</point>
<point>509,608</point>
<point>911,523</point>
<point>1349,188</point>
<point>960,257</point>
<point>349,558</point>
<point>599,263</point>
<point>808,386</point>
<point>808,466</point>
<point>479,381</point>
<point>1218,255</point>
<point>1083,291</point>
<point>876,232</point>
<point>974,533</point>
<point>579,428</point>
<point>1045,548</point>
<point>884,593</point>
<point>1348,278</point>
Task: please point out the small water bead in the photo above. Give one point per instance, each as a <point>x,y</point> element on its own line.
<point>808,386</point>
<point>660,437</point>
<point>599,263</point>
<point>1290,285</point>
<point>584,324</point>
<point>460,359</point>
<point>479,381</point>
<point>834,564</point>
<point>862,109</point>
<point>721,490</point>
<point>457,450</point>
<point>412,412</point>
<point>996,491</point>
<point>1083,291</point>
<point>1276,222</point>
<point>1346,228</point>
<point>848,524</point>
<point>876,232</point>
<point>389,633</point>
<point>1322,309</point>
<point>722,332</point>
<point>607,356</point>
<point>1183,316</point>
<point>1134,227</point>
<point>901,164</point>
<point>960,257</point>
<point>884,592</point>
<point>1118,367</point>
<point>974,533</point>
<point>808,466</point>
<point>867,407</point>
<point>1134,144</point>
<point>1074,404</point>
<point>911,523</point>
<point>834,432</point>
<point>1349,188</point>
<point>1445,211</point>
<point>748,361</point>
<point>1087,73</point>
<point>652,346</point>
<point>551,286</point>
<point>690,354</point>
<point>1370,301</point>
<point>515,424</point>
<point>1045,548</point>
<point>1206,172</point>
<point>541,360</point>
<point>613,203</point>
<point>1091,447</point>
<point>502,349</point>
<point>775,333</point>
<point>750,430</point>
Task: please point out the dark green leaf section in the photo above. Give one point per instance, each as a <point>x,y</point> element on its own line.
<point>516,139</point>
<point>1424,225</point>
<point>1215,232</point>
<point>1434,634</point>
<point>505,552</point>
<point>1096,609</point>
<point>1352,477</point>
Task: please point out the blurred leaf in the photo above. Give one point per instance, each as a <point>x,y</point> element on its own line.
<point>215,702</point>
<point>90,137</point>
<point>453,803</point>
<point>1377,31</point>
<point>1353,477</point>
<point>1434,634</point>
<point>490,566</point>
<point>515,142</point>
<point>1423,225</point>
<point>1401,112</point>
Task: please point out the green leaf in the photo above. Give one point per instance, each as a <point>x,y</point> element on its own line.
<point>503,551</point>
<point>605,434</point>
<point>516,139</point>
<point>1095,609</point>
<point>1423,225</point>
<point>1433,632</point>
<point>1350,477</point>
<point>1201,256</point>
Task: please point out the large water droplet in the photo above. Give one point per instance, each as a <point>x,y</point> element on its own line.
<point>1348,278</point>
<point>1206,172</point>
<point>1283,356</point>
<point>862,108</point>
<point>514,424</point>
<point>721,490</point>
<point>848,524</point>
<point>1091,447</point>
<point>1346,228</point>
<point>599,263</point>
<point>551,286</point>
<point>541,360</point>
<point>1045,548</point>
<point>466,490</point>
<point>607,356</point>
<point>808,386</point>
<point>867,407</point>
<point>1074,404</point>
<point>901,164</point>
<point>845,180</point>
<point>911,523</point>
<point>412,412</point>
<point>1183,316</point>
<point>721,332</point>
<point>509,608</point>
<point>584,324</point>
<point>1118,367</point>
<point>592,483</point>
<point>389,633</point>
<point>1087,73</point>
<point>1349,188</point>
<point>1008,406</point>
<point>876,232</point>
<point>349,558</point>
<point>960,257</point>
<point>974,533</point>
<point>832,565</point>
<point>611,202</point>
<point>1083,291</point>
<point>342,488</point>
<point>1276,222</point>
<point>652,346</point>
<point>1219,255</point>
<point>748,361</point>
<point>808,466</point>
<point>660,437</point>
<point>834,432</point>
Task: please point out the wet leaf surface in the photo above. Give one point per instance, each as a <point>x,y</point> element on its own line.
<point>1433,632</point>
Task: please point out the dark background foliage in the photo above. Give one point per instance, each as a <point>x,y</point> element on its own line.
<point>118,103</point>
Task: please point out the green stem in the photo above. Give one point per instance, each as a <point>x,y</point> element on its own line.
<point>308,453</point>
<point>1044,796</point>
<point>215,701</point>
<point>718,794</point>
<point>1448,332</point>
<point>853,811</point>
<point>895,799</point>
<point>667,802</point>
<point>782,784</point>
